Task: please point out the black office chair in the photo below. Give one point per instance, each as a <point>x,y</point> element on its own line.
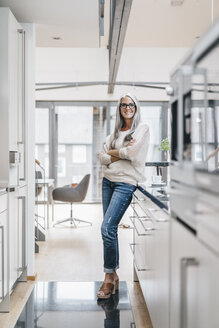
<point>72,195</point>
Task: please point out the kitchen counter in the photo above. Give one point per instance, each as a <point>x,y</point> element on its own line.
<point>157,194</point>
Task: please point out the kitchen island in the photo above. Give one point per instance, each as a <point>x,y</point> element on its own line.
<point>176,264</point>
<point>151,249</point>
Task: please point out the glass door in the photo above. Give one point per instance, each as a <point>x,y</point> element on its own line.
<point>80,134</point>
<point>42,138</point>
<point>74,143</point>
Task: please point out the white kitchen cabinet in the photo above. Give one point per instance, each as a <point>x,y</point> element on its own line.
<point>21,234</point>
<point>17,235</point>
<point>184,253</point>
<point>11,100</point>
<point>13,237</point>
<point>12,148</point>
<point>161,268</point>
<point>3,255</point>
<point>208,289</point>
<point>151,257</point>
<point>4,274</point>
<point>194,281</point>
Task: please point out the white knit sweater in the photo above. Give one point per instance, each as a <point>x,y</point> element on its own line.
<point>131,167</point>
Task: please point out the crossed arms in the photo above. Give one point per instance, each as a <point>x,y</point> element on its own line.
<point>135,151</point>
<point>114,153</point>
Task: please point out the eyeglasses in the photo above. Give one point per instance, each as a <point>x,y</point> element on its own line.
<point>124,105</point>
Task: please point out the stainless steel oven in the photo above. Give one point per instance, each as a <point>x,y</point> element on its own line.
<point>195,126</point>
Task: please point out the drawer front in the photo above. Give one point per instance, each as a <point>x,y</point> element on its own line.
<point>144,202</point>
<point>141,221</point>
<point>3,203</point>
<point>3,255</point>
<point>140,257</point>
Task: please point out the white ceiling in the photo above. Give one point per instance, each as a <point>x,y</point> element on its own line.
<point>76,22</point>
<point>153,23</point>
<point>156,23</point>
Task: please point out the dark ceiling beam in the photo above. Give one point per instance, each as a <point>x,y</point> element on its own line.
<point>101,17</point>
<point>120,11</point>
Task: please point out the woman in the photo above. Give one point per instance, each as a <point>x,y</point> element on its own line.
<point>123,158</point>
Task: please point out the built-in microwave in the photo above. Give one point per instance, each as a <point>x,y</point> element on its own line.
<point>195,107</point>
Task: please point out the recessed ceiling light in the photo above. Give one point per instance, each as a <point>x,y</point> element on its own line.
<point>56,38</point>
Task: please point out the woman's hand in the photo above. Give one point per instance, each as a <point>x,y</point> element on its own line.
<point>113,152</point>
<point>131,142</point>
<point>114,159</point>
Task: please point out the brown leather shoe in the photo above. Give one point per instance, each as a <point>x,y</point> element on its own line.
<point>116,285</point>
<point>106,290</point>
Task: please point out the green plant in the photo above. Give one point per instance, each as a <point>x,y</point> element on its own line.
<point>164,145</point>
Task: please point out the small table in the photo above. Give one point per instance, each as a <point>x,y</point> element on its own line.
<point>158,166</point>
<point>47,183</point>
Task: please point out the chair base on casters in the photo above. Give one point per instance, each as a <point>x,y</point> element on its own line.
<point>72,221</point>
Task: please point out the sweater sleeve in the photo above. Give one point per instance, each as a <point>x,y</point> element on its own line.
<point>104,158</point>
<point>136,153</point>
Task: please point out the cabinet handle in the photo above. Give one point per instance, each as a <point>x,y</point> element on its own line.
<point>145,228</point>
<point>177,192</point>
<point>138,233</point>
<point>140,199</point>
<point>149,229</point>
<point>184,264</point>
<point>137,267</point>
<point>3,262</point>
<point>22,32</point>
<point>146,218</point>
<point>11,189</point>
<point>151,210</point>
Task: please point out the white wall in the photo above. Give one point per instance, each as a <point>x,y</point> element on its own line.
<point>82,65</point>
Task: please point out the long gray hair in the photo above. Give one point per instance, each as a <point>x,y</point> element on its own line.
<point>120,122</point>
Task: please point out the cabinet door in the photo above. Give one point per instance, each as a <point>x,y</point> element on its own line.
<point>154,281</point>
<point>161,267</point>
<point>21,231</point>
<point>3,255</point>
<point>13,237</point>
<point>144,246</point>
<point>21,102</point>
<point>184,273</point>
<point>208,289</point>
<point>14,87</point>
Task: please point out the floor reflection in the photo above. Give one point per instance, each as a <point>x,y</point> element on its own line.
<point>74,304</point>
<point>112,313</point>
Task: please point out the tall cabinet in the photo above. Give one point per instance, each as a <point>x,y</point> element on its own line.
<point>12,153</point>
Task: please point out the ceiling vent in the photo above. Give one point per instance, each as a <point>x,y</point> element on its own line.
<point>177,2</point>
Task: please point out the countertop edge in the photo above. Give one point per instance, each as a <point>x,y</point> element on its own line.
<point>153,198</point>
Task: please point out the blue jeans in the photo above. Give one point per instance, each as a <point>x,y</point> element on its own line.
<point>116,198</point>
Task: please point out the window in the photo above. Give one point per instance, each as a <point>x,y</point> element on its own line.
<point>61,167</point>
<point>79,154</point>
<point>42,138</point>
